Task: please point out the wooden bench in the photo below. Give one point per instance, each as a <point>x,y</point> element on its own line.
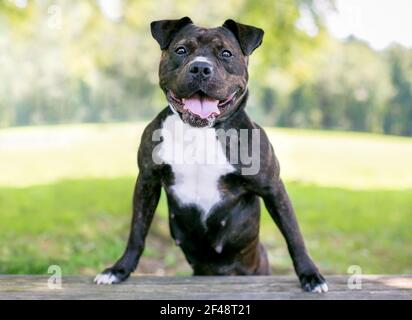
<point>209,288</point>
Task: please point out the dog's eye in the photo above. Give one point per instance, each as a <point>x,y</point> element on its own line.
<point>226,54</point>
<point>181,50</point>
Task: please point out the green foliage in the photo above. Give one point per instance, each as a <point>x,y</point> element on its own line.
<point>90,67</point>
<point>398,114</point>
<point>349,91</point>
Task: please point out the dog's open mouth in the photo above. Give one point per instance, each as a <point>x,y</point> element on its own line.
<point>201,104</point>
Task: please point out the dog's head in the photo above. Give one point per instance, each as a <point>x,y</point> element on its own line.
<point>203,71</point>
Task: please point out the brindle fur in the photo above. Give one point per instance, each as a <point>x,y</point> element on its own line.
<point>238,237</point>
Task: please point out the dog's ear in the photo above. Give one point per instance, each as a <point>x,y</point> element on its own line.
<point>164,30</point>
<point>249,37</point>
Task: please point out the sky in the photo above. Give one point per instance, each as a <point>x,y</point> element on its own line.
<point>378,22</point>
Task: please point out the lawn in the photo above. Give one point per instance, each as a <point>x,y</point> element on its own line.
<point>65,194</point>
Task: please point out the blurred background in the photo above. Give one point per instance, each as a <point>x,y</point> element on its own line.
<point>332,84</point>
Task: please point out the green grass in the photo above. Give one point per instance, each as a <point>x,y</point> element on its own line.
<point>36,155</point>
<point>65,195</point>
<point>82,225</point>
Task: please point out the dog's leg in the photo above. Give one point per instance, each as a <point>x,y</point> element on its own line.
<point>145,200</point>
<point>280,208</point>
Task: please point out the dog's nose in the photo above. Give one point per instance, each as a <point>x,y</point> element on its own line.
<point>201,68</point>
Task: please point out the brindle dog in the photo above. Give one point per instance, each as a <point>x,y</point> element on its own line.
<point>214,207</point>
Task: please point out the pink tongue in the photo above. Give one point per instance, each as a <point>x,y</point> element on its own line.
<point>201,106</point>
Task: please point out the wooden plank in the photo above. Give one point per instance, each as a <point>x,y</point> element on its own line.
<point>208,288</point>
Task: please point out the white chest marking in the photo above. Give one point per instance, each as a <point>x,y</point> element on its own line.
<point>197,162</point>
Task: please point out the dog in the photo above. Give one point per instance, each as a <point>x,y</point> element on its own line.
<point>214,206</point>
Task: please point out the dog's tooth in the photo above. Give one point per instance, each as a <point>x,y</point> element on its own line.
<point>223,223</point>
<point>219,248</point>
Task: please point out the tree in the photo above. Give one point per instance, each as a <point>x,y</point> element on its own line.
<point>349,90</point>
<point>398,113</point>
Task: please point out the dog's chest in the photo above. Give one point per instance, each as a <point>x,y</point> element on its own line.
<point>197,161</point>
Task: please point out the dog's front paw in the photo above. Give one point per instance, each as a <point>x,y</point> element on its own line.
<point>111,276</point>
<point>313,282</point>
